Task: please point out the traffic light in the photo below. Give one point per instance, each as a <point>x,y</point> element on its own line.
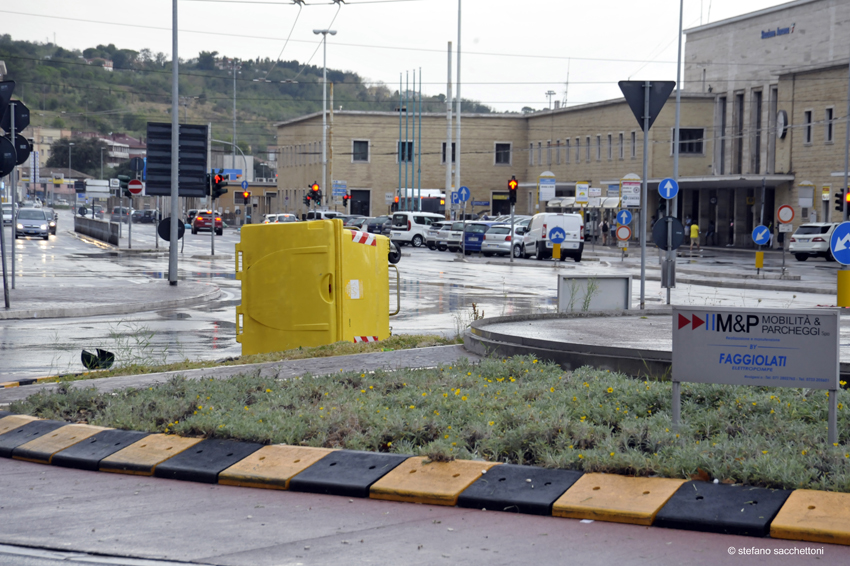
<point>346,198</point>
<point>219,184</point>
<point>839,200</point>
<point>124,183</point>
<point>307,200</point>
<point>316,193</point>
<point>246,197</point>
<point>512,187</point>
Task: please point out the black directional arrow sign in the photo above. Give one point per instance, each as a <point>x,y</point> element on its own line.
<point>6,90</point>
<point>7,156</point>
<point>659,92</point>
<point>22,117</point>
<point>23,148</point>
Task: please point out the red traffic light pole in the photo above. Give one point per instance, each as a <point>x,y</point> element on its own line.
<point>512,187</point>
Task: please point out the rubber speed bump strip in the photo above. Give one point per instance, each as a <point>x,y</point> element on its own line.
<point>30,381</point>
<point>26,433</point>
<point>205,460</point>
<point>141,458</point>
<point>346,472</point>
<point>86,455</point>
<point>418,480</point>
<point>42,449</point>
<point>719,508</point>
<point>11,422</point>
<point>272,466</point>
<point>619,499</point>
<point>518,489</point>
<point>815,516</point>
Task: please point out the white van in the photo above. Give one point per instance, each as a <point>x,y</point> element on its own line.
<point>535,238</point>
<point>412,227</point>
<point>323,215</point>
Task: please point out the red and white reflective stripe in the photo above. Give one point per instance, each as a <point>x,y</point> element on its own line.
<point>363,238</point>
<point>365,339</point>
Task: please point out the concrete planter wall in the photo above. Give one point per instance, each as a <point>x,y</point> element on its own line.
<point>98,229</point>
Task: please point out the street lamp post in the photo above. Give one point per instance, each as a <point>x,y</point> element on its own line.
<point>73,200</point>
<point>101,163</point>
<point>325,33</point>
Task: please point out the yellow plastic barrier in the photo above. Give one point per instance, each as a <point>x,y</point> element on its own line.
<point>310,284</point>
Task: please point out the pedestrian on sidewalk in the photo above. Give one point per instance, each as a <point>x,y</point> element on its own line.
<point>694,237</point>
<point>604,232</point>
<point>711,236</point>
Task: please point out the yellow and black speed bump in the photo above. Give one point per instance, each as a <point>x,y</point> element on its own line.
<point>11,422</point>
<point>272,467</point>
<point>142,457</point>
<point>26,433</point>
<point>719,508</point>
<point>42,449</point>
<point>205,460</point>
<point>346,472</point>
<point>86,455</point>
<point>518,489</point>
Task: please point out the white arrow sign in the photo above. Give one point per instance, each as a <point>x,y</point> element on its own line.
<point>841,244</point>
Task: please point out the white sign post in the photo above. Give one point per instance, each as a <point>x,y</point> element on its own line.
<point>759,347</point>
<point>545,187</point>
<point>630,193</point>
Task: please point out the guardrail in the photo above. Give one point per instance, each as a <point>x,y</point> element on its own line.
<point>98,229</point>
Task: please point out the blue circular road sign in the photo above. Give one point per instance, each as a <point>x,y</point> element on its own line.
<point>244,185</point>
<point>463,194</point>
<point>761,235</point>
<point>668,188</point>
<point>624,217</point>
<point>839,243</point>
<point>557,235</point>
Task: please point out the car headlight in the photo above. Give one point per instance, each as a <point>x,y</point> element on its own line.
<point>44,226</point>
<point>20,226</point>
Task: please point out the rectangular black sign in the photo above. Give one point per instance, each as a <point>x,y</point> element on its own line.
<point>192,158</point>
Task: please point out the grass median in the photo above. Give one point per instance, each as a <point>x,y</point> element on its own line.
<point>516,410</point>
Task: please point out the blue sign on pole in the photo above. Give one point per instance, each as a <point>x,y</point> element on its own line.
<point>455,199</point>
<point>463,194</point>
<point>557,235</point>
<point>761,235</point>
<point>668,188</point>
<point>839,243</point>
<point>244,185</point>
<point>624,217</point>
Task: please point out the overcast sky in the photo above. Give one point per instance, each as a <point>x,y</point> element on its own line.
<point>512,52</point>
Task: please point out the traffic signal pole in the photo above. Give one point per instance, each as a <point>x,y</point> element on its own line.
<point>211,199</point>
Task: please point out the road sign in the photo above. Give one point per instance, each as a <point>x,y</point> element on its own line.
<point>630,193</point>
<point>7,156</point>
<point>22,117</point>
<point>463,194</point>
<point>786,228</point>
<point>137,164</point>
<point>624,217</point>
<point>389,198</point>
<point>244,185</point>
<point>164,228</point>
<point>455,198</point>
<point>668,188</point>
<point>624,233</point>
<point>785,214</point>
<point>192,160</point>
<point>761,235</point>
<point>557,235</point>
<point>635,93</point>
<point>659,233</point>
<point>839,243</point>
<point>135,187</point>
<point>594,192</point>
<point>546,188</point>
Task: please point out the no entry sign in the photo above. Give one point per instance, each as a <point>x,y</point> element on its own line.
<point>135,187</point>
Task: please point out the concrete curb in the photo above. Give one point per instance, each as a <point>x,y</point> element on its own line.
<point>116,308</point>
<point>592,496</point>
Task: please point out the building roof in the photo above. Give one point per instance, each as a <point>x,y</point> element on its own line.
<point>750,15</point>
<point>836,63</point>
<point>49,171</point>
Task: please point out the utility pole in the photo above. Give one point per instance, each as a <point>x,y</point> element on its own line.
<point>457,164</point>
<point>449,131</point>
<point>324,33</point>
<point>233,158</point>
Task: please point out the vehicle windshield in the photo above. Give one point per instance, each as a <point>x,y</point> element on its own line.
<point>400,220</point>
<point>810,229</point>
<point>476,228</point>
<point>28,214</point>
<point>286,218</point>
<point>499,230</point>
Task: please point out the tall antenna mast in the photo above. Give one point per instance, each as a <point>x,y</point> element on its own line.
<point>566,86</point>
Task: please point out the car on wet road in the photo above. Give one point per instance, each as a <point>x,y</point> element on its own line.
<point>812,240</point>
<point>32,222</point>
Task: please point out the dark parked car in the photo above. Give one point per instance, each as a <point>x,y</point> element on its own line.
<point>52,218</point>
<point>144,216</point>
<point>120,214</point>
<point>379,225</point>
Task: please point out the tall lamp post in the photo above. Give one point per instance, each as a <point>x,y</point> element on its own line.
<point>325,33</point>
<point>73,200</point>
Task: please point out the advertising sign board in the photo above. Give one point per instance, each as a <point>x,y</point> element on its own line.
<point>761,347</point>
<point>630,193</point>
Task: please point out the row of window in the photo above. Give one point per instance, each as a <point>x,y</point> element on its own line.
<point>690,142</point>
<point>828,124</point>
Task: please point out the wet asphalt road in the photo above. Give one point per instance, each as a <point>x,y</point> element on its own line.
<point>437,296</point>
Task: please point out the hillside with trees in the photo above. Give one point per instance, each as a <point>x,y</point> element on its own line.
<point>71,89</point>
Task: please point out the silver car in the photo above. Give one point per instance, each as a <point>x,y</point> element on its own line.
<point>498,240</point>
<point>450,237</point>
<point>432,236</point>
<point>32,222</point>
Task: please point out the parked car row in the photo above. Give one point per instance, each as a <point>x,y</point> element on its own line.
<point>531,235</point>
